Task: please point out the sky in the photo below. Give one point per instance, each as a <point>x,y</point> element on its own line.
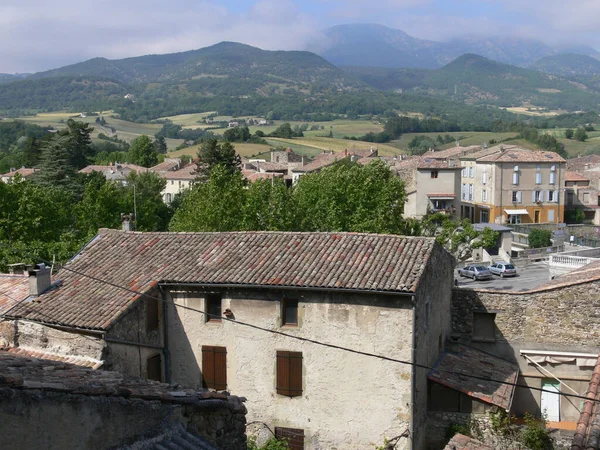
<point>38,35</point>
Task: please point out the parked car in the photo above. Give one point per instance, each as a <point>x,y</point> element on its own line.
<point>503,269</point>
<point>475,272</point>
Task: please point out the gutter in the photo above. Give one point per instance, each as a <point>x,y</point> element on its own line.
<point>165,327</point>
<point>564,354</point>
<point>136,344</point>
<point>413,374</point>
<point>277,287</point>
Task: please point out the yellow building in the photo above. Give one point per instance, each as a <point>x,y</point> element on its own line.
<point>509,184</point>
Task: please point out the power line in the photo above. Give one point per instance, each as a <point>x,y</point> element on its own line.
<point>300,338</point>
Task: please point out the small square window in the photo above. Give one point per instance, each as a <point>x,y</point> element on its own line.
<point>213,308</point>
<point>434,174</point>
<point>289,312</point>
<point>484,326</point>
<point>294,437</point>
<point>154,368</point>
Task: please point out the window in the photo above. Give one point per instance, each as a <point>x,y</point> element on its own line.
<point>516,196</point>
<point>465,172</point>
<point>553,168</point>
<point>471,194</point>
<point>485,217</point>
<point>464,191</point>
<point>289,373</point>
<point>515,179</point>
<point>289,312</point>
<point>553,177</point>
<point>293,436</point>
<point>172,181</point>
<point>538,178</point>
<point>516,168</point>
<point>483,178</point>
<point>537,196</point>
<point>152,313</point>
<point>484,195</point>
<point>434,174</point>
<point>154,368</point>
<point>484,327</point>
<point>472,172</point>
<point>586,198</point>
<point>213,307</point>
<point>214,367</point>
<point>551,196</point>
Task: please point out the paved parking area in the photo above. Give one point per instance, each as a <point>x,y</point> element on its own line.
<point>527,278</point>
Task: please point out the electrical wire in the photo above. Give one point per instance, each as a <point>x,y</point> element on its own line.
<point>303,339</point>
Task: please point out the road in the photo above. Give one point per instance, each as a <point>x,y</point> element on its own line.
<point>527,278</point>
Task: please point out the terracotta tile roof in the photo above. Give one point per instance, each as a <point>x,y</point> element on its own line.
<point>116,167</point>
<point>462,442</point>
<point>71,359</point>
<point>167,164</point>
<point>573,176</point>
<point>139,261</point>
<point>23,171</point>
<point>587,433</point>
<point>320,161</point>
<point>187,172</point>
<point>517,154</point>
<point>475,362</point>
<point>13,289</point>
<point>585,274</point>
<point>255,176</point>
<point>25,372</point>
<point>453,152</point>
<point>440,194</point>
<point>271,167</point>
<point>579,164</point>
<point>481,154</point>
<point>424,162</point>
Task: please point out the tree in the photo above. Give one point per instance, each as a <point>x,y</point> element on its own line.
<point>237,134</point>
<point>269,206</point>
<point>212,153</point>
<point>160,145</point>
<point>142,152</point>
<point>284,131</point>
<point>539,238</point>
<point>152,213</point>
<point>569,133</point>
<point>580,135</point>
<point>56,169</point>
<point>78,142</point>
<point>350,197</point>
<point>217,205</point>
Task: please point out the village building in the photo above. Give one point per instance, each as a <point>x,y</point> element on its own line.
<point>582,195</point>
<point>431,185</point>
<point>512,185</point>
<point>114,171</point>
<point>164,306</point>
<point>23,172</point>
<point>48,401</point>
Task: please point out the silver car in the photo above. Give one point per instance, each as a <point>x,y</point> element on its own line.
<point>503,269</point>
<point>475,272</point>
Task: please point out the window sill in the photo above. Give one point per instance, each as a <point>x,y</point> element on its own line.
<point>289,325</point>
<point>213,321</point>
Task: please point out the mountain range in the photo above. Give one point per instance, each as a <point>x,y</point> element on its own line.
<point>379,46</point>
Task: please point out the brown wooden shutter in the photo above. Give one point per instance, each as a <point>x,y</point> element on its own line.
<point>293,436</point>
<point>214,367</point>
<point>152,314</point>
<point>289,373</point>
<point>154,368</point>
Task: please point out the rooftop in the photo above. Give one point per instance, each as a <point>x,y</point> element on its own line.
<point>587,433</point>
<point>462,442</point>
<point>13,289</point>
<point>453,152</point>
<point>139,261</point>
<point>27,372</point>
<point>320,161</point>
<point>518,154</point>
<point>579,164</point>
<point>574,176</point>
<point>450,367</point>
<point>23,171</point>
<point>425,162</point>
<point>187,172</point>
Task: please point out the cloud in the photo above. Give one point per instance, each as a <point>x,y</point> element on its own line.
<point>44,35</point>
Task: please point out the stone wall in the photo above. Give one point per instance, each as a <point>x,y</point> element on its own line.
<point>562,318</point>
<point>44,419</point>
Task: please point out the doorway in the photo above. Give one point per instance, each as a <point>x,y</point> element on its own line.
<point>536,216</point>
<point>550,401</point>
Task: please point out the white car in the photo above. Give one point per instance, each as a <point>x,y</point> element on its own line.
<point>503,269</point>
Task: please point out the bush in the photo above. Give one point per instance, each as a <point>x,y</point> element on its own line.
<point>535,434</point>
<point>574,216</point>
<point>540,238</point>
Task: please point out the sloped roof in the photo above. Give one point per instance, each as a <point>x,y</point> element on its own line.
<point>579,163</point>
<point>167,164</point>
<point>320,161</point>
<point>450,367</point>
<point>13,289</point>
<point>574,176</point>
<point>587,433</point>
<point>139,261</point>
<point>453,152</point>
<point>71,359</point>
<point>187,172</point>
<point>517,154</point>
<point>23,171</point>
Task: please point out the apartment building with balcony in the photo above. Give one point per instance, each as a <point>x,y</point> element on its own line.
<point>509,184</point>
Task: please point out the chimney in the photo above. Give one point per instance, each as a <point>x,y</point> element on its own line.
<point>16,269</point>
<point>39,279</point>
<point>126,220</point>
<point>345,152</point>
<point>453,343</point>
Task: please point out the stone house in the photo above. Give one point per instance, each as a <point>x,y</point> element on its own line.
<point>176,307</point>
<point>52,402</point>
<point>23,172</point>
<point>432,185</point>
<point>581,194</point>
<point>550,332</point>
<point>509,184</point>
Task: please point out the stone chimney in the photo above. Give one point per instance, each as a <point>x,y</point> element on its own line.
<point>16,269</point>
<point>39,279</point>
<point>453,343</point>
<point>126,220</point>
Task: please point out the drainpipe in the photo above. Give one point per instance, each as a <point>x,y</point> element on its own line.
<point>165,328</point>
<point>413,374</point>
<point>501,190</point>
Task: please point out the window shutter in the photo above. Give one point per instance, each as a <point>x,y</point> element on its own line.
<point>555,196</point>
<point>519,196</point>
<point>515,178</point>
<point>484,177</point>
<point>533,199</point>
<point>289,373</point>
<point>214,367</point>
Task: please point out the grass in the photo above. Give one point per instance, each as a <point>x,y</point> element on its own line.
<point>242,149</point>
<point>534,111</point>
<point>337,145</point>
<point>470,138</point>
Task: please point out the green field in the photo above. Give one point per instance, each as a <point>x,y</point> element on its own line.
<point>572,146</point>
<point>469,138</point>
